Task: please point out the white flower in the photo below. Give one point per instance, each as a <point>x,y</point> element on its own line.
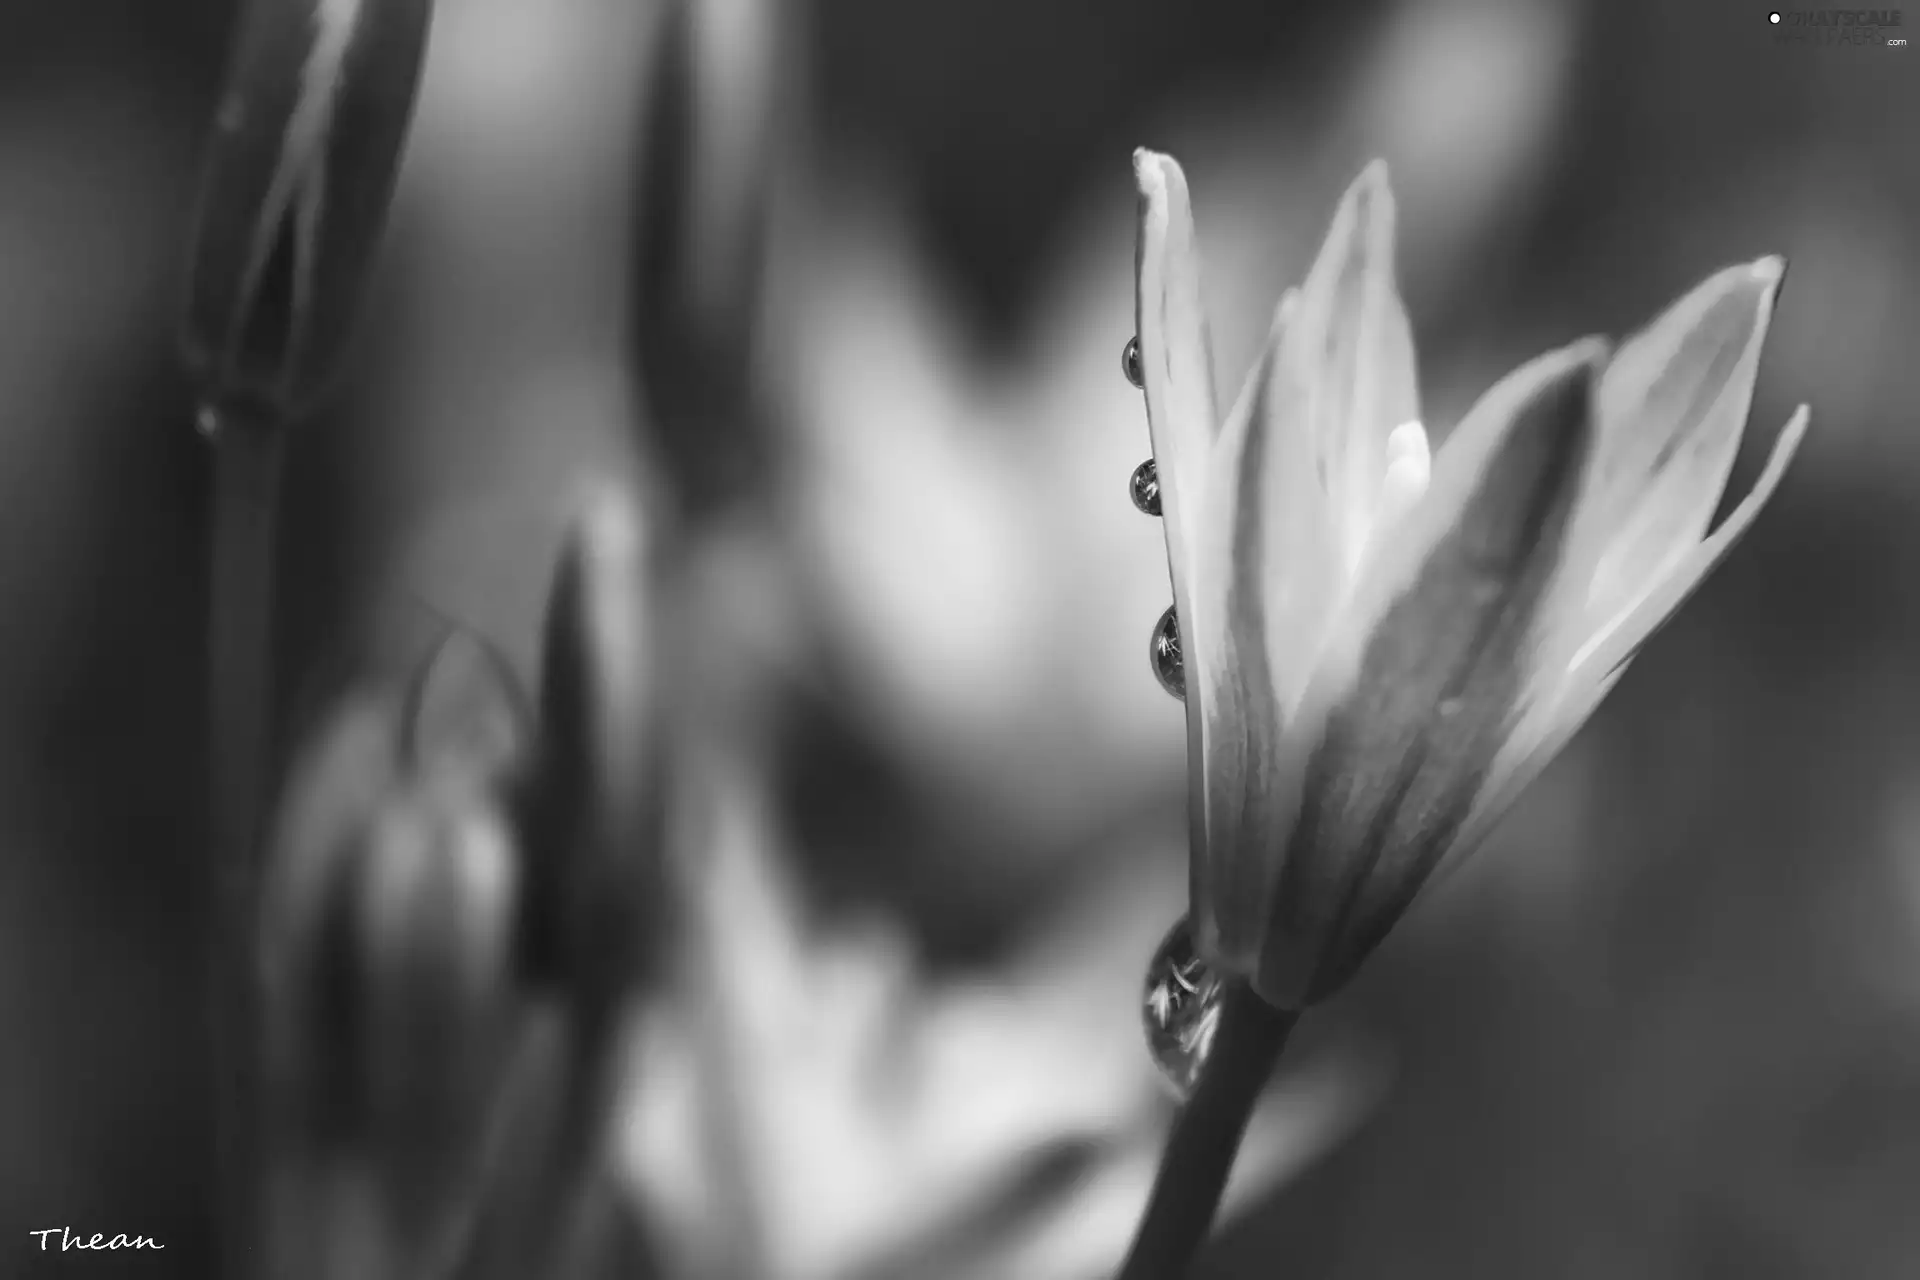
<point>1382,647</point>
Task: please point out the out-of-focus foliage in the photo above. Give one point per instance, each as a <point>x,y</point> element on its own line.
<point>1668,1025</point>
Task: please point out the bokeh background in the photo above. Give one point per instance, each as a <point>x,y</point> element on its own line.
<point>1667,1025</point>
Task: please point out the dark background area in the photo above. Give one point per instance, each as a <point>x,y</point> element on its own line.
<point>1667,1025</point>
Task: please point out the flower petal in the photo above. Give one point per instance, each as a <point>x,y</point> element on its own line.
<point>1673,404</point>
<point>1260,566</point>
<point>1176,354</point>
<point>1620,639</point>
<point>1348,355</point>
<point>1293,493</point>
<point>1229,700</point>
<point>1423,678</point>
<point>1282,538</point>
<point>1272,574</point>
<point>1575,693</point>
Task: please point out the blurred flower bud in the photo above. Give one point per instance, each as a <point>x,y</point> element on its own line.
<point>298,179</point>
<point>592,811</point>
<point>596,811</point>
<point>434,917</point>
<point>389,920</point>
<point>464,705</point>
<point>705,177</point>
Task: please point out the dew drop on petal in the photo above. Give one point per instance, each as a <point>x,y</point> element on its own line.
<point>1146,487</point>
<point>1180,1009</point>
<point>1165,654</point>
<point>1130,363</point>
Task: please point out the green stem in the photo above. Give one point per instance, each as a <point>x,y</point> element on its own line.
<point>246,475</point>
<point>1206,1136</point>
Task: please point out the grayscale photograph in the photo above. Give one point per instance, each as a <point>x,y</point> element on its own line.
<point>1001,640</point>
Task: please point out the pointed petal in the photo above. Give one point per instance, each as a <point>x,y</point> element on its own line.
<point>1176,356</point>
<point>1296,485</point>
<point>1272,580</point>
<point>1616,643</point>
<point>1349,358</point>
<point>1673,404</point>
<point>1424,677</point>
<point>1176,362</point>
<point>1576,693</point>
<point>596,799</point>
<point>1266,525</point>
<point>1282,539</point>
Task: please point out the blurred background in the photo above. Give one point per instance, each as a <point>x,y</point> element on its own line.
<point>1668,1024</point>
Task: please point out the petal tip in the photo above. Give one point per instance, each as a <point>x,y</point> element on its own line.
<point>1775,267</point>
<point>1796,428</point>
<point>1154,171</point>
<point>1370,198</point>
<point>1785,446</point>
<point>1770,275</point>
<point>1590,353</point>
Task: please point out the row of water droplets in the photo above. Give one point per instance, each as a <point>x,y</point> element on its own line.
<point>1164,650</point>
<point>1180,1006</point>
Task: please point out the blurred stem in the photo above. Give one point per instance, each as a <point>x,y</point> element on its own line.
<point>723,771</point>
<point>1206,1136</point>
<point>549,1214</point>
<point>246,477</point>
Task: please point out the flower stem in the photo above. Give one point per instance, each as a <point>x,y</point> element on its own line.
<point>1206,1136</point>
<point>246,473</point>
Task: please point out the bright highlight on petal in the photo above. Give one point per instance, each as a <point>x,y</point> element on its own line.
<point>1409,470</point>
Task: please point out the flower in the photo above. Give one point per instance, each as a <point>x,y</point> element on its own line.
<point>459,904</point>
<point>1383,646</point>
<point>387,941</point>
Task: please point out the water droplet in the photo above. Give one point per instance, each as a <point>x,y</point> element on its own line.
<point>208,421</point>
<point>1165,654</point>
<point>1146,487</point>
<point>1180,1009</point>
<point>1130,363</point>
